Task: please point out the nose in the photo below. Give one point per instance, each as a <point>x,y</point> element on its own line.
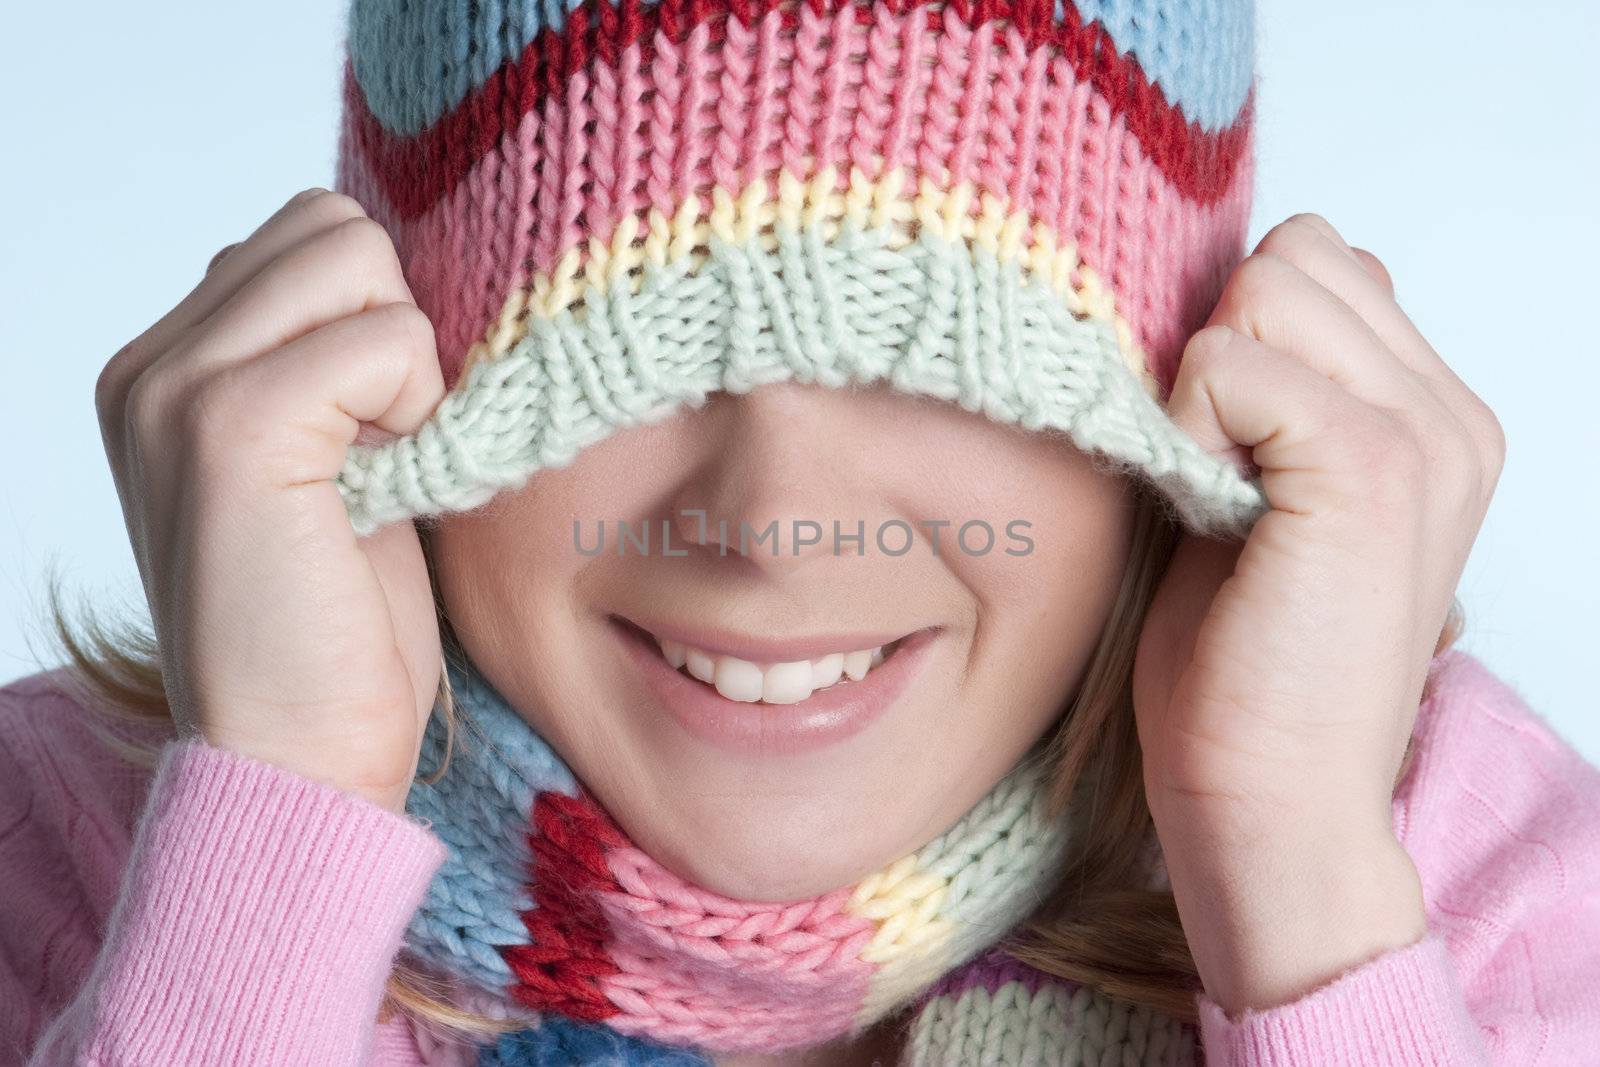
<point>786,465</point>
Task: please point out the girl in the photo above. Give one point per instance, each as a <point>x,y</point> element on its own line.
<point>893,582</point>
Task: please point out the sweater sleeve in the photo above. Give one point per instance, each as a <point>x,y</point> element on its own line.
<point>1502,818</point>
<point>258,918</point>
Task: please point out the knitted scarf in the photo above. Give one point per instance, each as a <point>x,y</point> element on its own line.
<point>547,915</point>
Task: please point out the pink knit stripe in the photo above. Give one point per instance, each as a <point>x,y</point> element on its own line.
<point>1165,258</point>
<point>1068,160</point>
<point>418,168</point>
<point>473,249</point>
<point>703,969</point>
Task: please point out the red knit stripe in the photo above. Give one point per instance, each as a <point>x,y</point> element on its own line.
<point>560,971</point>
<point>417,172</point>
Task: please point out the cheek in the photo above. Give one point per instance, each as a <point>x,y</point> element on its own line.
<point>1039,619</point>
<point>1061,528</point>
<point>507,576</point>
<point>511,563</point>
<point>1040,612</point>
<point>498,570</point>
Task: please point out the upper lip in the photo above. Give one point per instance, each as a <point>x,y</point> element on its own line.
<point>765,650</point>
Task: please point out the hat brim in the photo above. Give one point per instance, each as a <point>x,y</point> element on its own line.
<point>976,308</point>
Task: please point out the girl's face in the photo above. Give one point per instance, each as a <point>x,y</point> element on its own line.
<point>803,794</point>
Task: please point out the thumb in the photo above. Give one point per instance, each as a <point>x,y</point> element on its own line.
<point>1191,406</point>
<point>1198,567</point>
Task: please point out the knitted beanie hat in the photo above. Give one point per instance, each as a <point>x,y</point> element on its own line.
<point>611,209</point>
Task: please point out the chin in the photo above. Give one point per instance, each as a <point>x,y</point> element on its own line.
<point>773,845</point>
<point>775,797</point>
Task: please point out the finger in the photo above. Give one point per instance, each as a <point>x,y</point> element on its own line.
<point>1457,409</point>
<point>1316,222</point>
<point>337,272</point>
<point>1304,241</point>
<point>306,213</point>
<point>1274,301</point>
<point>221,253</point>
<point>1198,568</point>
<point>303,216</point>
<point>380,366</point>
<point>1307,435</point>
<point>395,553</point>
<point>1368,261</point>
<point>1376,268</point>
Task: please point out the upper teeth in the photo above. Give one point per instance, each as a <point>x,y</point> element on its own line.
<point>779,683</point>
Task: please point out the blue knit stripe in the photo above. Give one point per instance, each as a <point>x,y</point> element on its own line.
<point>417,60</point>
<point>1200,52</point>
<point>474,903</point>
<point>561,1042</point>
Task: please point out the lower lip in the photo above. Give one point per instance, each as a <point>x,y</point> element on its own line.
<point>824,718</point>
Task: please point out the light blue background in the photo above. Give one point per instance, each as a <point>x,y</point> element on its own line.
<point>1461,142</point>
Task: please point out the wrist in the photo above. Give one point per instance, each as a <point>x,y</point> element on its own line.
<point>1269,920</point>
<point>385,781</point>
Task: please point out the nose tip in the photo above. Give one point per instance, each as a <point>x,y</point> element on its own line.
<point>783,468</point>
<point>792,536</point>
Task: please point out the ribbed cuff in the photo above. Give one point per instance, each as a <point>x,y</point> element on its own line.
<point>1404,1008</point>
<point>259,917</point>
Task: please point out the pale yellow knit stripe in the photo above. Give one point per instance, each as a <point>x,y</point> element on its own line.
<point>911,947</point>
<point>938,907</point>
<point>865,203</point>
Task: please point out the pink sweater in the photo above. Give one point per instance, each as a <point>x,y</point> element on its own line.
<point>224,911</point>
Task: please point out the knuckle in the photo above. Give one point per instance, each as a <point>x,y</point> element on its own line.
<point>1480,454</point>
<point>416,323</point>
<point>330,208</point>
<point>1204,350</point>
<point>1312,221</point>
<point>108,384</point>
<point>1295,239</point>
<point>308,193</point>
<point>220,255</point>
<point>1494,436</point>
<point>145,413</point>
<point>407,330</point>
<point>1376,269</point>
<point>362,238</point>
<point>1256,281</point>
<point>1468,451</point>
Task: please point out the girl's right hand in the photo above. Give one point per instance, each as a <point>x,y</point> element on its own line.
<point>282,636</point>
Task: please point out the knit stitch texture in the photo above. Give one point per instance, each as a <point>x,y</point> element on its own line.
<point>611,209</point>
<point>546,907</point>
<point>225,911</point>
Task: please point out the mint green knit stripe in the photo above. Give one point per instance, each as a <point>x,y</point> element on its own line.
<point>933,318</point>
<point>1056,1025</point>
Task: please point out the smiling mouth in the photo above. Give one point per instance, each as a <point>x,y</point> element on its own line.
<point>749,681</point>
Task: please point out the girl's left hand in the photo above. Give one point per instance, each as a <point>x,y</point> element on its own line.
<point>1277,681</point>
